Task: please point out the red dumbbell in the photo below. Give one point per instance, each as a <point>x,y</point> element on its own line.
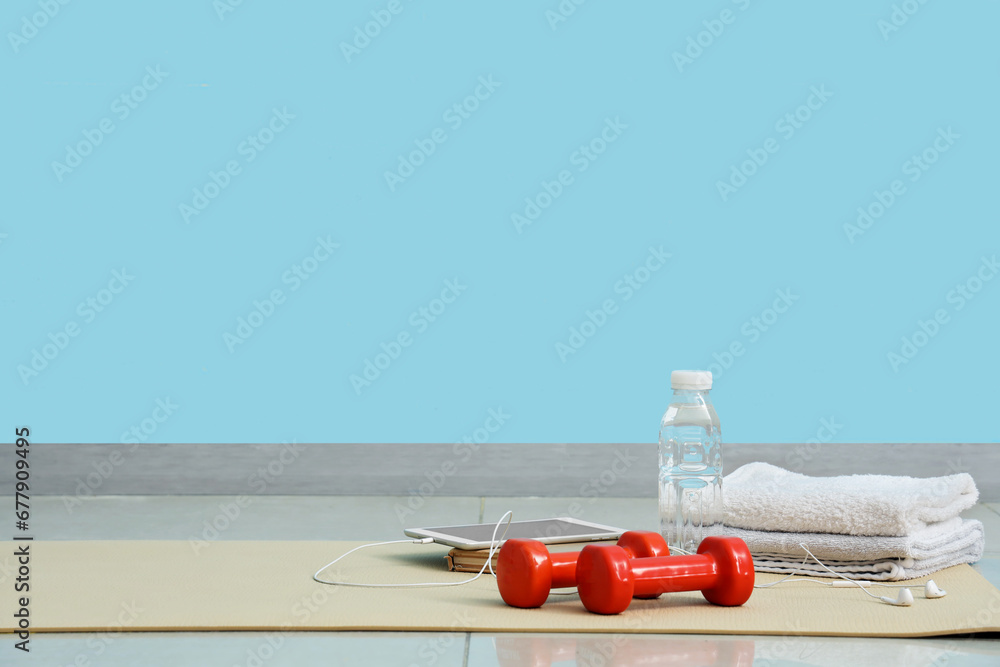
<point>607,579</point>
<point>526,571</point>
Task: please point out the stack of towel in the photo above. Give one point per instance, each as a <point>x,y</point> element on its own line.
<point>874,527</point>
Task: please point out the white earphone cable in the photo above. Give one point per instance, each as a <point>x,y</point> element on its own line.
<point>494,545</point>
<point>862,585</point>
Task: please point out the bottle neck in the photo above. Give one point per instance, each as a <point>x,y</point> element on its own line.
<point>691,396</point>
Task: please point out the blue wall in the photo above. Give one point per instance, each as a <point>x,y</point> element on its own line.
<point>253,222</point>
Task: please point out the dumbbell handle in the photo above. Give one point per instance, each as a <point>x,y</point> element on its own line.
<point>563,569</point>
<point>673,574</point>
<point>689,570</point>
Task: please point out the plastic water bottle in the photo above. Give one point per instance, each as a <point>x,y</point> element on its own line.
<point>690,463</point>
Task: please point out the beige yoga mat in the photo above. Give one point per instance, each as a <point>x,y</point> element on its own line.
<point>267,586</point>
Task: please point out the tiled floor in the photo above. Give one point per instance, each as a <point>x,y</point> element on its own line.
<point>382,518</point>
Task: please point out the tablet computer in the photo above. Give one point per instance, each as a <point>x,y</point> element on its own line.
<point>548,531</point>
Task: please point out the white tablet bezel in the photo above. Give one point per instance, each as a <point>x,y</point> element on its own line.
<point>445,534</point>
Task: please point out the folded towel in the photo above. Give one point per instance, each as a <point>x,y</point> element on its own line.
<point>933,548</point>
<point>947,536</point>
<point>760,496</point>
<point>886,570</point>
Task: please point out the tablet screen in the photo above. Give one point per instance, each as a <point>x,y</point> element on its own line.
<point>550,531</point>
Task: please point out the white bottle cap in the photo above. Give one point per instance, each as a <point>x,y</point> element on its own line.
<point>691,380</point>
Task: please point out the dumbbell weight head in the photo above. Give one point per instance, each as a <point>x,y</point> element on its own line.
<point>643,544</point>
<point>734,566</point>
<point>604,579</point>
<point>525,573</point>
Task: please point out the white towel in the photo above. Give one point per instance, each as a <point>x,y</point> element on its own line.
<point>760,496</point>
<point>876,558</point>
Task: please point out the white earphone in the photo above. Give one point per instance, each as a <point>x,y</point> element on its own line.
<point>904,599</point>
<point>932,591</point>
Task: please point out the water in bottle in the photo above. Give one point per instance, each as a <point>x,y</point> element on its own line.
<point>690,463</point>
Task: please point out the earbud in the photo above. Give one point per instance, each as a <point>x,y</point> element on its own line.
<point>932,591</point>
<point>905,598</point>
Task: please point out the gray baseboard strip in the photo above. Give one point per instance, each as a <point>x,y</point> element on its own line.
<point>563,470</point>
